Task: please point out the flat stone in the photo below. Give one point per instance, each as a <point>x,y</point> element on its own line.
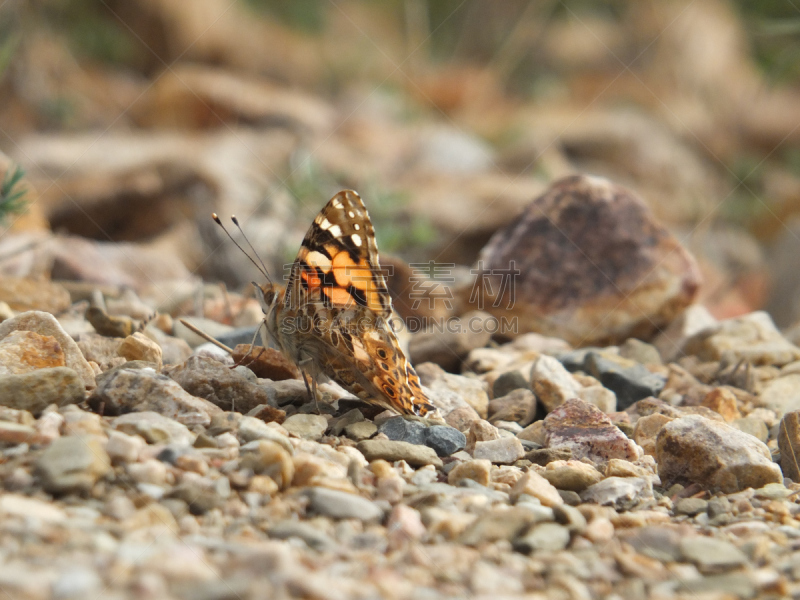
<point>14,505</point>
<point>252,429</point>
<point>38,389</point>
<point>544,537</point>
<point>341,505</point>
<point>587,432</point>
<point>640,352</point>
<point>503,451</point>
<point>267,363</point>
<point>309,427</point>
<point>73,464</point>
<point>690,506</point>
<point>15,433</point>
<point>401,429</point>
<point>123,447</point>
<point>127,390</point>
<point>46,324</point>
<point>337,424</point>
<point>619,492</point>
<point>312,536</point>
<point>712,555</point>
<point>660,543</point>
<point>363,430</point>
<point>389,450</point>
<point>754,426</point>
<point>572,475</point>
<point>154,428</point>
<point>544,456</point>
<point>498,524</point>
<point>713,455</point>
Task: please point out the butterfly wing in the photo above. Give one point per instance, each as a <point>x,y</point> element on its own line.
<point>337,287</point>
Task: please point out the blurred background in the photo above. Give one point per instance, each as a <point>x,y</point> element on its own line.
<point>134,119</point>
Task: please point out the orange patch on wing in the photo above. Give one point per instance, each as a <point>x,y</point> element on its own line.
<point>347,272</point>
<point>311,278</point>
<point>338,296</point>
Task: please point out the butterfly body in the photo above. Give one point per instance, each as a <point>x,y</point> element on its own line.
<point>333,319</point>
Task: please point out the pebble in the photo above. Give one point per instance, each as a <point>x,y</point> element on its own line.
<point>691,506</point>
<point>73,464</point>
<point>645,432</point>
<point>752,337</point>
<point>498,524</point>
<point>536,486</point>
<point>587,432</point>
<point>712,555</point>
<point>26,351</point>
<point>444,440</point>
<point>503,451</point>
<point>46,324</point>
<point>572,475</point>
<point>478,470</point>
<point>363,430</point>
<point>341,505</point>
<point>640,352</point>
<point>755,427</point>
<point>619,492</point>
<point>518,406</point>
<point>125,390</point>
<point>630,383</point>
<point>552,383</point>
<point>124,448</point>
<point>228,389</point>
<point>508,382</point>
<point>391,451</point>
<point>723,401</point>
<point>316,539</point>
<point>401,429</point>
<point>140,347</point>
<point>713,455</point>
<point>338,424</point>
<point>38,389</point>
<point>309,427</point>
<point>252,429</point>
<point>544,537</point>
<point>571,518</point>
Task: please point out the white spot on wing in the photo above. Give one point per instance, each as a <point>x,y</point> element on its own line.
<point>356,239</point>
<point>337,203</point>
<point>352,214</point>
<point>334,230</point>
<point>325,224</point>
<point>356,226</point>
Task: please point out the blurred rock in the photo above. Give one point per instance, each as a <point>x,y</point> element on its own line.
<point>32,294</point>
<point>638,280</point>
<point>672,339</point>
<point>448,348</point>
<point>752,337</point>
<point>630,381</point>
<point>518,406</point>
<point>789,444</point>
<point>73,464</point>
<point>140,347</point>
<point>267,363</point>
<point>38,389</point>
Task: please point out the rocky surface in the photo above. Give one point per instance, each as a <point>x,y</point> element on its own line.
<point>202,479</point>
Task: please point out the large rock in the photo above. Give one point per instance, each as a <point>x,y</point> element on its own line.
<point>126,390</point>
<point>46,324</point>
<point>36,390</point>
<point>207,378</point>
<point>587,432</point>
<point>73,464</point>
<point>714,455</point>
<point>26,351</point>
<point>593,266</point>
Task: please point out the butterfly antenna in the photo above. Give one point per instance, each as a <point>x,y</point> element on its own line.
<point>261,268</point>
<point>239,227</point>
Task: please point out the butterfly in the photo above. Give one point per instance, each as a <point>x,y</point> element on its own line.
<point>334,317</point>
